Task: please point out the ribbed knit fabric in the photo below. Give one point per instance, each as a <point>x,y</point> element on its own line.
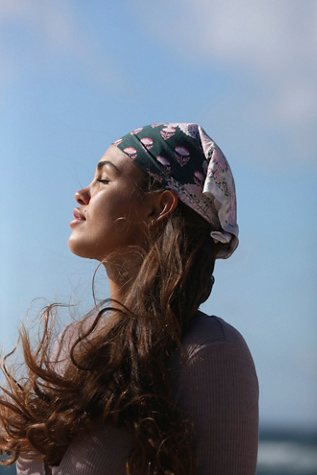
<point>216,385</point>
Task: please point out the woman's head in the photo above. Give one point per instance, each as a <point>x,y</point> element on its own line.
<point>127,194</point>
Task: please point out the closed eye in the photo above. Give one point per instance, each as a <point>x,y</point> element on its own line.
<point>103,181</point>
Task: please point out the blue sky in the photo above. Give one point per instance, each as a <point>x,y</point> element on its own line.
<point>76,75</point>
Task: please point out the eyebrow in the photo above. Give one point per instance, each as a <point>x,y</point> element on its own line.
<point>106,162</point>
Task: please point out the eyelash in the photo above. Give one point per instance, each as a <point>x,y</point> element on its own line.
<point>103,181</point>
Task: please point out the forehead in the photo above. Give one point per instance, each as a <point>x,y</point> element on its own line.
<point>119,163</point>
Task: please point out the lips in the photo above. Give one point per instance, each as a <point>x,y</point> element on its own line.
<point>78,215</point>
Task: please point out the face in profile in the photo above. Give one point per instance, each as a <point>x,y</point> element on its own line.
<point>112,211</point>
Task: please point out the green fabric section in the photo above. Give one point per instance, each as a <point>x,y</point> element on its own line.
<point>165,151</point>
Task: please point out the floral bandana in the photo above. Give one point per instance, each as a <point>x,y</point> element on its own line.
<point>185,160</point>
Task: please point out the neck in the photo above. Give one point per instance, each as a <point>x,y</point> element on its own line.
<point>118,289</point>
<point>121,272</point>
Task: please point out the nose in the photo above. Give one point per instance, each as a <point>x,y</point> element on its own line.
<point>82,196</point>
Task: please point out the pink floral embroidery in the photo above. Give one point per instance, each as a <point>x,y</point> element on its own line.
<point>168,132</point>
<point>232,213</point>
<point>199,178</point>
<point>147,143</point>
<point>182,155</point>
<point>136,131</point>
<point>163,161</point>
<point>216,170</point>
<point>189,129</point>
<point>192,195</point>
<point>117,142</point>
<point>131,152</point>
<point>224,188</point>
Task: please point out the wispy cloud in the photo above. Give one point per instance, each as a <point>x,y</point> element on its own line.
<point>274,41</point>
<point>47,34</point>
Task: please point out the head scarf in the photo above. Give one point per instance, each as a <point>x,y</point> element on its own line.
<point>185,160</point>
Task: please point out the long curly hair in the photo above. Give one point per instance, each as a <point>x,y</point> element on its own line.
<point>133,342</point>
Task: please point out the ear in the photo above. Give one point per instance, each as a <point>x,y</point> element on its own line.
<point>163,204</point>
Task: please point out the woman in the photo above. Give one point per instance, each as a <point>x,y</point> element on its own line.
<point>146,383</point>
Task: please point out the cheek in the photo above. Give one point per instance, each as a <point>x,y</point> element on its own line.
<point>128,223</point>
<point>113,222</point>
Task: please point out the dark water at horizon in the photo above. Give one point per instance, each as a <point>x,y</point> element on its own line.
<point>287,452</point>
<point>281,452</point>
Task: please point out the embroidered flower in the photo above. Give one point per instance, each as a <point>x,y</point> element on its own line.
<point>136,131</point>
<point>146,143</point>
<point>163,161</point>
<point>131,152</point>
<point>168,132</point>
<point>199,178</point>
<point>182,155</point>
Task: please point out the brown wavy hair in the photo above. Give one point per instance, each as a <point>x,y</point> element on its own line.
<point>43,412</point>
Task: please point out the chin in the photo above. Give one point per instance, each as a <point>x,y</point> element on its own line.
<point>84,250</point>
<point>78,249</point>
